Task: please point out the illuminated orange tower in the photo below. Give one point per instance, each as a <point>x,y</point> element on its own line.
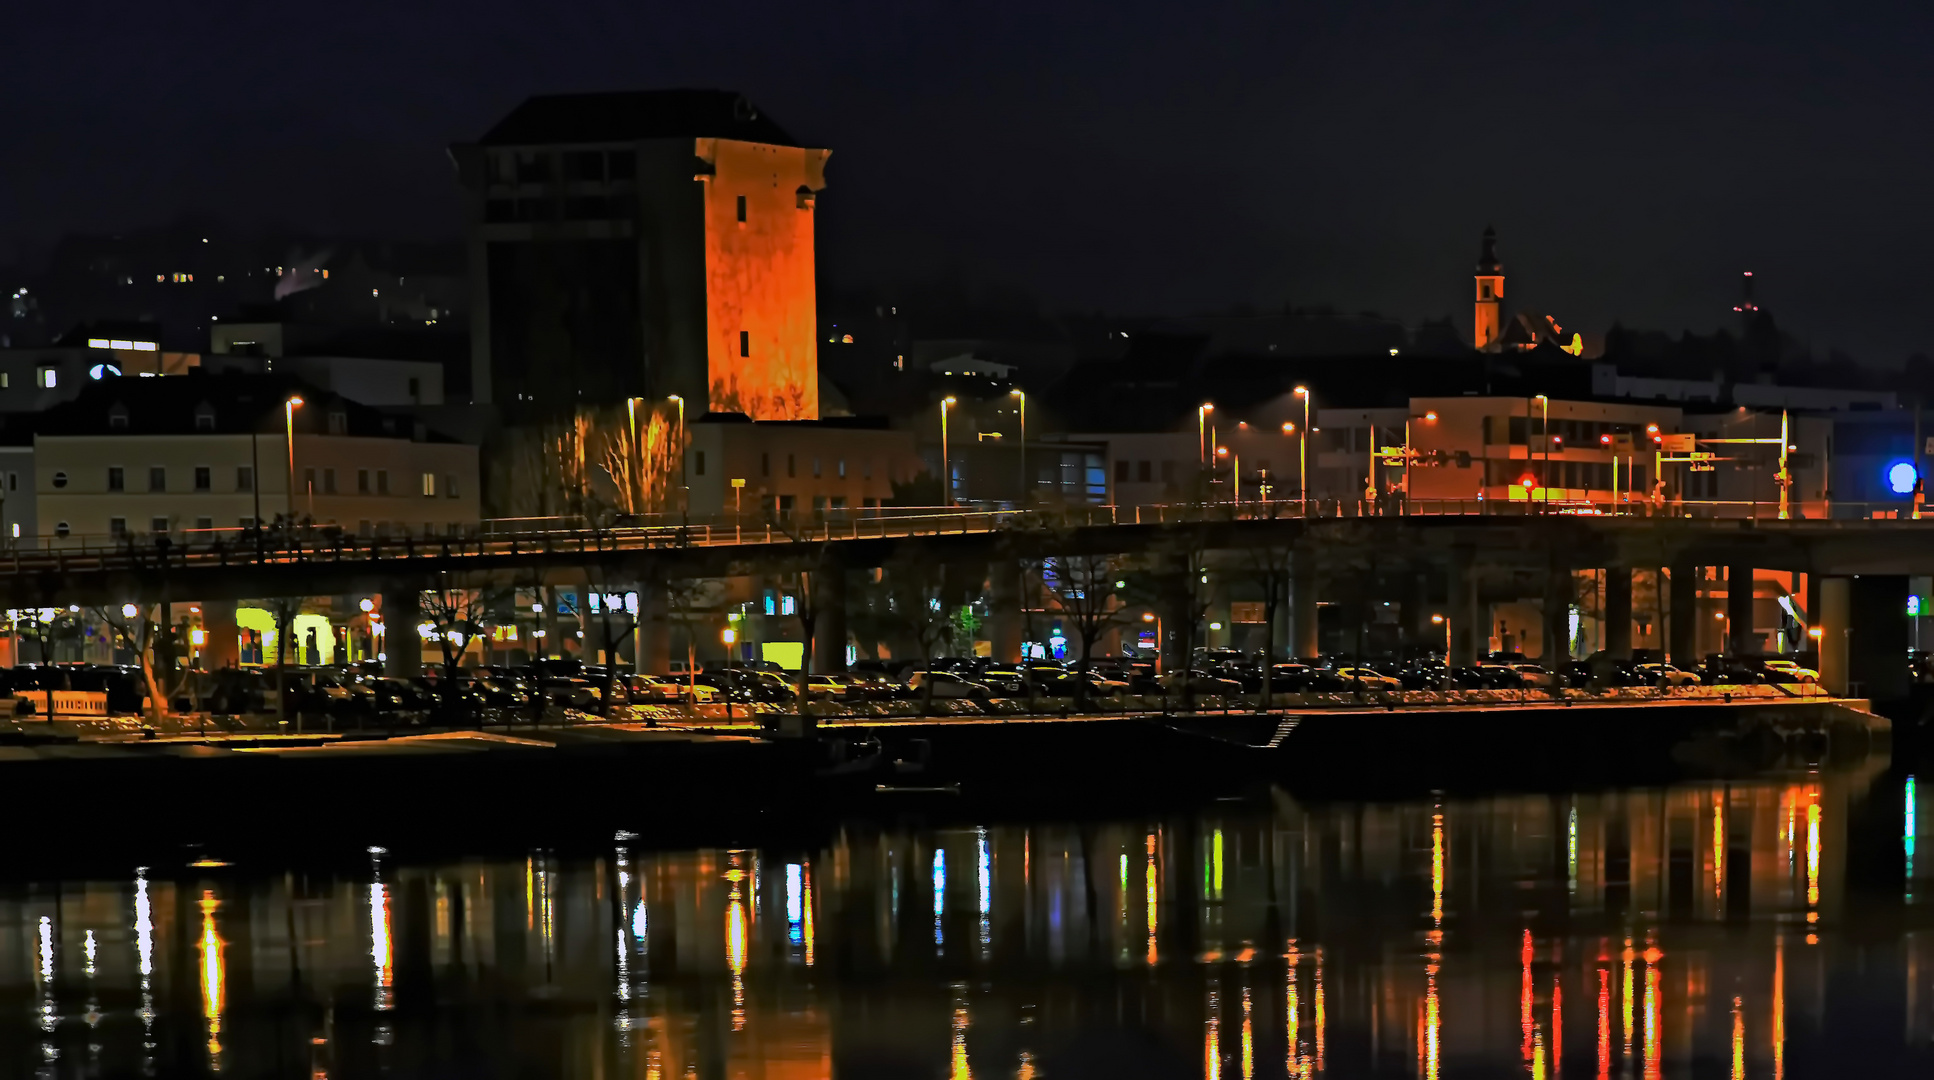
<point>1490,296</point>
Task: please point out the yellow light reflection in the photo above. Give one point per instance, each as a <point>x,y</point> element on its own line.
<point>960,1070</point>
<point>1217,893</point>
<point>735,944</point>
<point>1292,1016</point>
<point>1625,994</point>
<point>1813,850</point>
<point>1437,869</point>
<point>1718,845</point>
<point>1322,1016</point>
<point>1248,1040</point>
<point>1525,956</point>
<point>1739,1040</point>
<point>213,978</point>
<point>806,872</point>
<point>1779,1007</point>
<point>1433,1025</point>
<point>1211,1042</point>
<point>1150,901</point>
<point>1652,1059</point>
<point>1537,1056</point>
<point>1604,1024</point>
<point>381,951</point>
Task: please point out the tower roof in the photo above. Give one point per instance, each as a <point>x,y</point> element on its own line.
<point>1487,259</point>
<point>625,116</point>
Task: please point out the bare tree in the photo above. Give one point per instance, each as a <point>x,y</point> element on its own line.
<point>916,592</point>
<point>627,620</point>
<point>457,611</point>
<point>1086,591</point>
<point>1269,569</point>
<point>138,631</point>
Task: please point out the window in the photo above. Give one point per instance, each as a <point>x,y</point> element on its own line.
<point>204,478</point>
<point>365,529</point>
<point>4,380</point>
<point>328,481</point>
<point>792,467</point>
<point>116,478</point>
<point>866,468</point>
<point>1121,471</point>
<point>450,487</point>
<point>1168,472</point>
<point>815,465</point>
<point>244,478</point>
<point>309,481</point>
<point>584,165</point>
<point>46,378</point>
<point>205,524</point>
<point>785,507</point>
<point>698,463</point>
<point>842,468</point>
<point>204,420</point>
<point>13,481</point>
<point>745,343</point>
<point>339,421</point>
<point>741,209</point>
<point>60,479</point>
<point>158,526</point>
<point>246,523</point>
<point>621,165</point>
<point>117,419</point>
<point>362,481</point>
<point>838,502</point>
<point>765,464</point>
<point>60,528</point>
<point>382,481</point>
<point>117,527</point>
<point>1145,473</point>
<point>416,389</point>
<point>429,485</point>
<point>157,478</point>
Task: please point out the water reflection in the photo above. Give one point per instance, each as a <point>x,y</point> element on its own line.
<point>1693,930</point>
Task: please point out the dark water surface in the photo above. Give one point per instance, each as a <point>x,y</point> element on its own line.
<point>1771,927</point>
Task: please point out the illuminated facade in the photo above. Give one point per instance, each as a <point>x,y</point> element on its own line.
<point>641,245</point>
<point>1489,322</point>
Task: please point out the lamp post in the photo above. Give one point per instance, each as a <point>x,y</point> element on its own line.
<point>1235,474</point>
<point>1202,412</point>
<point>637,491</point>
<point>1302,455</point>
<point>289,406</point>
<point>684,489</point>
<point>1022,395</point>
<point>946,463</point>
<point>1544,436</point>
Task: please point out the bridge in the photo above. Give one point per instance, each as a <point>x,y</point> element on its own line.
<point>1453,540</point>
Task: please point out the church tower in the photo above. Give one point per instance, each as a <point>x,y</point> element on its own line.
<point>1490,296</point>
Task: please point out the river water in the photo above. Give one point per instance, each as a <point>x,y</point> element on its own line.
<point>1778,926</point>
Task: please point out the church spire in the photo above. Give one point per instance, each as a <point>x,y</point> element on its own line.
<point>1489,321</point>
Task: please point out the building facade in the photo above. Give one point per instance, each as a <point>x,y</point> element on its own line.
<point>790,470</point>
<point>643,245</point>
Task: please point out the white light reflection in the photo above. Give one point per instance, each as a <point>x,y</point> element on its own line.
<point>380,949</point>
<point>939,896</point>
<point>49,1019</point>
<point>984,871</point>
<point>795,904</point>
<point>144,949</point>
<point>1571,851</point>
<point>640,922</point>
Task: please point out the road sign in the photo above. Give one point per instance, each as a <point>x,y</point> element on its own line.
<point>1703,457</point>
<point>1676,444</point>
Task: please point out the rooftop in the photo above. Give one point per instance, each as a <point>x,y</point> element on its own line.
<point>627,116</point>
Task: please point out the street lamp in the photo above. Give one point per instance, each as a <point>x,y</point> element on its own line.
<point>1235,474</point>
<point>289,407</point>
<point>685,490</point>
<point>1544,430</point>
<point>1022,395</point>
<point>637,457</point>
<point>1202,412</point>
<point>1302,454</point>
<point>946,464</point>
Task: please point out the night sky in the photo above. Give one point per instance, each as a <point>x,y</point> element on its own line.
<point>1125,156</point>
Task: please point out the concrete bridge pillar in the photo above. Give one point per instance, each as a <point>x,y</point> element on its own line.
<point>1618,612</point>
<point>1740,639</point>
<point>1877,648</point>
<point>1833,616</point>
<point>1302,605</point>
<point>1683,614</point>
<point>654,656</point>
<point>1177,616</point>
<point>829,619</point>
<point>1004,615</point>
<point>221,635</point>
<point>402,645</point>
<point>1469,623</point>
<point>1555,614</point>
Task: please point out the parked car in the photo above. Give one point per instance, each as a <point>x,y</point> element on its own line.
<point>1535,675</point>
<point>1004,681</point>
<point>946,684</point>
<point>1196,681</point>
<point>1363,678</point>
<point>1788,671</point>
<point>1666,673</point>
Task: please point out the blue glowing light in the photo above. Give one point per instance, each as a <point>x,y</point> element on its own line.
<point>795,903</point>
<point>1901,477</point>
